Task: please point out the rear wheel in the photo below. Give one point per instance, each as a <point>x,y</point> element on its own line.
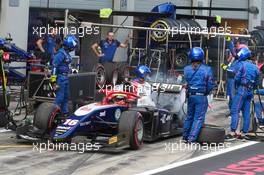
<point>131,122</point>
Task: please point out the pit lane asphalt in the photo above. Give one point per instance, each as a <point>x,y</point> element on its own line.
<point>20,158</point>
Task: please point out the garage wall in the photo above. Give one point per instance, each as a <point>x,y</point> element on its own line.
<point>262,13</point>
<point>231,3</point>
<point>147,5</point>
<point>73,4</point>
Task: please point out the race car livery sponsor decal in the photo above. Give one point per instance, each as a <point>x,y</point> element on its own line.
<point>251,166</point>
<point>163,87</point>
<point>165,118</point>
<point>85,123</point>
<point>102,114</point>
<point>112,140</point>
<point>60,131</point>
<point>63,127</point>
<point>84,110</point>
<point>117,114</point>
<point>71,122</point>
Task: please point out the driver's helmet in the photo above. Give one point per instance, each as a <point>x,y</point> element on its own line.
<point>119,98</point>
<point>142,72</point>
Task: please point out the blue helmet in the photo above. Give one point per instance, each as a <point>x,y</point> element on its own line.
<point>196,54</point>
<point>71,42</point>
<point>243,54</point>
<point>142,71</point>
<point>2,41</point>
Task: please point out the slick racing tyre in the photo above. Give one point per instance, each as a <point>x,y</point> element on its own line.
<point>258,37</point>
<point>100,75</point>
<point>131,122</point>
<point>46,116</point>
<point>3,119</point>
<point>111,73</point>
<point>181,59</point>
<point>211,134</point>
<point>123,72</point>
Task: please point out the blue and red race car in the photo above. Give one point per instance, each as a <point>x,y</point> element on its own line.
<point>117,121</point>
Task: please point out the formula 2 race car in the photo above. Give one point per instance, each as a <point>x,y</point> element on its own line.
<point>116,121</point>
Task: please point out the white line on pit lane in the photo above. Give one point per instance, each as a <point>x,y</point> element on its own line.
<point>188,161</point>
<point>4,130</point>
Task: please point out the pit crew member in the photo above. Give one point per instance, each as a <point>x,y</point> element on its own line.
<point>246,80</point>
<point>60,70</point>
<point>259,107</point>
<point>200,83</point>
<point>105,50</point>
<point>46,46</point>
<point>233,66</point>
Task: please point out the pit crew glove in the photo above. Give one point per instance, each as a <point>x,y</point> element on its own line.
<point>223,66</point>
<point>227,38</point>
<point>53,78</point>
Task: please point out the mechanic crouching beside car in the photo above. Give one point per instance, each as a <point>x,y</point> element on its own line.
<point>60,70</point>
<point>200,83</point>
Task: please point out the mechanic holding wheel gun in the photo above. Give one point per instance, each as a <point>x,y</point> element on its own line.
<point>246,79</point>
<point>60,70</point>
<point>200,83</point>
<point>105,50</point>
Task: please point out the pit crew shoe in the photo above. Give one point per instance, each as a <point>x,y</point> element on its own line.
<point>261,125</point>
<point>230,137</point>
<point>245,137</point>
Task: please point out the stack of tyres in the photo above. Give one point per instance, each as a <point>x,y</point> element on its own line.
<point>176,25</point>
<point>111,73</point>
<point>180,59</point>
<point>3,119</point>
<point>258,37</point>
<point>258,41</point>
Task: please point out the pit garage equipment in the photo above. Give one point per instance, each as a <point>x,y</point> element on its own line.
<point>156,48</point>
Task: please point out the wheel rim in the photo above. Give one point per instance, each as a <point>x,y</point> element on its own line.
<point>115,77</point>
<point>53,119</point>
<point>159,35</point>
<point>100,76</point>
<point>126,74</point>
<point>181,60</point>
<point>139,131</point>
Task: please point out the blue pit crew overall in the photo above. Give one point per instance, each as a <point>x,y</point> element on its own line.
<point>61,68</point>
<point>200,83</point>
<point>246,79</point>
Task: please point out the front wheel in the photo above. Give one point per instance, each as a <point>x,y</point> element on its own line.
<point>131,122</point>
<point>46,117</point>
